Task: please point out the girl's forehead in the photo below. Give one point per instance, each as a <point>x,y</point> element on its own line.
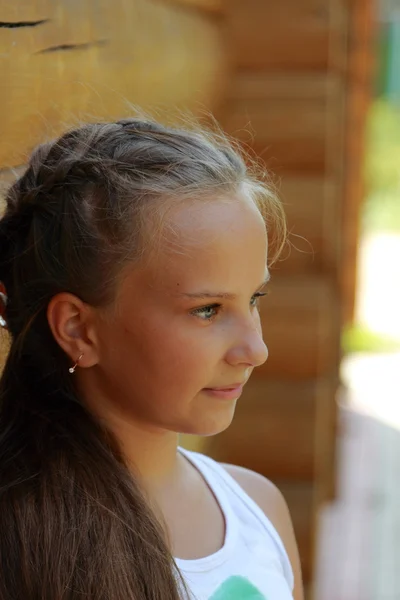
<point>215,242</point>
<point>194,220</point>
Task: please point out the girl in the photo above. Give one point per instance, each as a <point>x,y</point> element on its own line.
<point>132,259</point>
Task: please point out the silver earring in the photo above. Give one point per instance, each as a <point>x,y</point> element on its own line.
<point>72,369</point>
<point>3,299</point>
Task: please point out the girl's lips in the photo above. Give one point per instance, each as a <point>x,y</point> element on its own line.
<point>228,387</point>
<point>225,393</point>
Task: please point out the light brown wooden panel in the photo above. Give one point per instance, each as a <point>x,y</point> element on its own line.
<point>95,59</point>
<point>301,328</point>
<point>301,499</point>
<point>273,431</point>
<point>267,85</point>
<point>361,68</point>
<point>24,10</point>
<point>294,158</point>
<point>280,35</point>
<point>291,116</point>
<point>210,6</point>
<point>311,206</point>
<point>289,134</point>
<point>281,119</point>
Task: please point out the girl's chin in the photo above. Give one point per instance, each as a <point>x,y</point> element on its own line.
<point>210,426</point>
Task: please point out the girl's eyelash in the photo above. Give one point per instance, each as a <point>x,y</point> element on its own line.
<point>260,294</point>
<point>203,309</point>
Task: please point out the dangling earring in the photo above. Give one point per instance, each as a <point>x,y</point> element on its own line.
<point>72,369</point>
<point>3,299</point>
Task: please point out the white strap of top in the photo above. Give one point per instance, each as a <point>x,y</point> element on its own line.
<point>221,473</point>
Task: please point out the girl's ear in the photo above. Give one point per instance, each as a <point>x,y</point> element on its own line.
<point>72,323</point>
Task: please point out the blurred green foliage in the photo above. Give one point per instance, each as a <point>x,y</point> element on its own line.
<point>357,338</point>
<point>381,209</point>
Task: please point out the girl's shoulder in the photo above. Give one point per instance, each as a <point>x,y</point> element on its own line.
<point>271,501</point>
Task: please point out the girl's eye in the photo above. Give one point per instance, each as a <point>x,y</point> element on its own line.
<point>256,297</point>
<point>208,313</point>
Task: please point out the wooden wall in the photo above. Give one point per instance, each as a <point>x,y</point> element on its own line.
<point>362,39</point>
<point>97,59</point>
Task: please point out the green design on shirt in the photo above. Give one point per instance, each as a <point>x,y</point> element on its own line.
<point>237,588</point>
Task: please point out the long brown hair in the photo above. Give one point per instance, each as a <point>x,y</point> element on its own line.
<point>74,522</point>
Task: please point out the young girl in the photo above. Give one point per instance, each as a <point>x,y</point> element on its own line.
<point>132,259</point>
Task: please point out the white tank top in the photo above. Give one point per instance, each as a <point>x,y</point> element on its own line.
<point>253,563</point>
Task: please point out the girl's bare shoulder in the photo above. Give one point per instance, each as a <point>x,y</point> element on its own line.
<point>271,501</point>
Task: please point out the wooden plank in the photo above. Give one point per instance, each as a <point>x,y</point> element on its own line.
<point>215,7</point>
<point>293,158</point>
<point>312,211</point>
<point>339,24</point>
<point>289,134</point>
<point>280,35</point>
<point>284,118</point>
<point>326,435</point>
<point>24,11</point>
<point>95,59</point>
<point>301,502</point>
<point>361,57</point>
<point>267,85</point>
<point>274,429</point>
<point>300,320</point>
<point>263,109</point>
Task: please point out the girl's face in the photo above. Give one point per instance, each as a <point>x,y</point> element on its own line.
<point>188,321</point>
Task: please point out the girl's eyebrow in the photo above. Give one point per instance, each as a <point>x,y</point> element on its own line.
<point>225,295</point>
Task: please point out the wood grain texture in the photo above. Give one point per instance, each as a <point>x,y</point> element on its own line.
<point>287,133</point>
<point>300,320</point>
<point>215,7</point>
<point>301,500</point>
<point>361,69</point>
<point>97,60</point>
<point>313,219</point>
<point>270,85</point>
<point>293,121</point>
<point>280,36</point>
